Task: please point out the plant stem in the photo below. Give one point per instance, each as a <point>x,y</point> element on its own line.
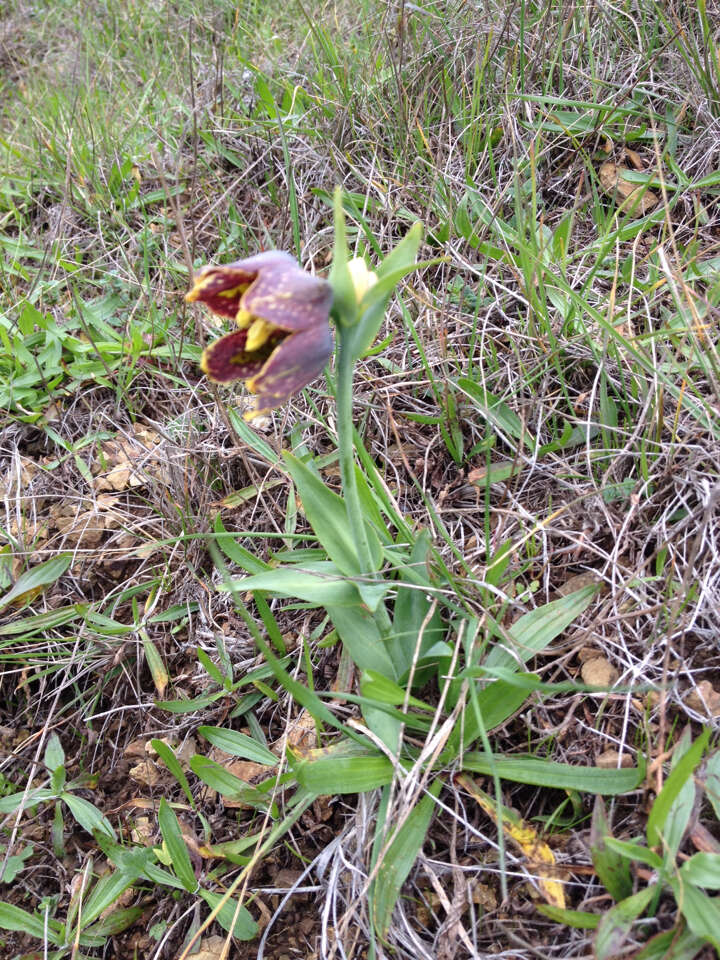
<point>356,521</point>
<point>344,401</point>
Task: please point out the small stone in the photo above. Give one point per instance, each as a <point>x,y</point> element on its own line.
<point>609,760</point>
<point>705,699</point>
<point>598,672</point>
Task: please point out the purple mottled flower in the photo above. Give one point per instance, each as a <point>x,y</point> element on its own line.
<point>283,339</point>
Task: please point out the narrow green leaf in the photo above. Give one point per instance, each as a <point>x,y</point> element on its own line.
<point>318,583</point>
<point>612,868</point>
<point>412,606</point>
<point>130,860</point>
<point>234,552</point>
<point>370,507</point>
<point>372,476</point>
<point>12,801</point>
<point>271,624</point>
<point>404,254</point>
<point>176,846</point>
<point>115,922</point>
<point>163,877</point>
<point>239,745</point>
<point>361,637</point>
<point>578,919</point>
<point>178,611</point>
<point>496,411</point>
<point>87,815</point>
<point>244,927</point>
<point>105,893</point>
<point>158,670</point>
<point>664,801</point>
<point>190,706</point>
<point>345,767</point>
<point>326,514</point>
<point>528,636</point>
<point>14,918</point>
<point>702,870</point>
<point>226,783</point>
<point>57,832</point>
<point>712,781</point>
<point>701,912</point>
<point>397,860</point>
<point>535,630</point>
<point>15,864</point>
<point>210,668</point>
<point>44,621</point>
<point>671,944</point>
<point>168,757</point>
<point>252,438</point>
<point>378,687</point>
<point>54,753</point>
<point>41,575</point>
<point>635,851</point>
<point>548,773</point>
<point>298,691</point>
<point>613,928</point>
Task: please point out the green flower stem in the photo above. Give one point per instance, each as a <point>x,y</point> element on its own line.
<point>345,448</point>
<point>344,401</point>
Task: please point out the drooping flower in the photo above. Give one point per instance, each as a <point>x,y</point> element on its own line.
<point>283,339</point>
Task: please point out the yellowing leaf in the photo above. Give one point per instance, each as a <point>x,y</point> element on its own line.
<point>540,857</point>
<point>156,665</point>
<point>33,581</point>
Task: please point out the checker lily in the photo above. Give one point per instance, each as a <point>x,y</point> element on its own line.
<point>283,340</point>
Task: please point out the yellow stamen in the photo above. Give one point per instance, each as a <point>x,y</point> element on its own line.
<point>258,334</point>
<point>243,318</point>
<point>234,291</point>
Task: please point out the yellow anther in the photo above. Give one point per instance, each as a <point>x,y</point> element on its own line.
<point>243,318</point>
<point>258,334</point>
<point>234,292</point>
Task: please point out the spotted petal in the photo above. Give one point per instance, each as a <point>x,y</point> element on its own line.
<point>228,359</point>
<point>221,288</point>
<point>286,296</point>
<point>293,364</point>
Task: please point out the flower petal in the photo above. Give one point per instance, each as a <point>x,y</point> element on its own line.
<point>228,359</point>
<point>284,294</point>
<point>293,364</point>
<point>221,289</point>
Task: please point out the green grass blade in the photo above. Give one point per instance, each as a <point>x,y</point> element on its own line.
<point>176,846</point>
<point>562,776</point>
<point>397,859</point>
